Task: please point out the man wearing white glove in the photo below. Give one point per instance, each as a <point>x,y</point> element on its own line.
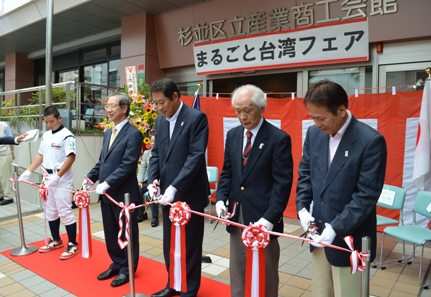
<point>116,173</point>
<point>57,152</point>
<point>25,176</point>
<point>168,196</point>
<point>178,162</point>
<point>154,190</point>
<point>101,188</point>
<point>52,181</point>
<point>341,174</point>
<point>87,184</point>
<point>256,181</point>
<point>305,218</point>
<point>220,209</point>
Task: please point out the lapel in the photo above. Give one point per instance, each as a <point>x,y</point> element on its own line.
<point>259,145</point>
<point>344,151</point>
<point>117,139</point>
<point>237,148</point>
<point>179,125</point>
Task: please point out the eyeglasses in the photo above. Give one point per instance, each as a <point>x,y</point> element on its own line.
<point>111,106</point>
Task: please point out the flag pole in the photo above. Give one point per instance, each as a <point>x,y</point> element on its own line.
<point>199,85</point>
<point>428,71</point>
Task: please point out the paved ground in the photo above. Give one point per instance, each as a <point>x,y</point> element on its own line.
<point>295,262</point>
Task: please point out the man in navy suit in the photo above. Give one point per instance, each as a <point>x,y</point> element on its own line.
<point>12,140</point>
<point>116,173</point>
<point>178,163</point>
<point>259,189</point>
<point>342,172</point>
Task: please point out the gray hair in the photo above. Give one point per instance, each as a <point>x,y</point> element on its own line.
<point>258,98</point>
<point>123,100</point>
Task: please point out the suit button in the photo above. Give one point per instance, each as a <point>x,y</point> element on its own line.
<point>242,188</point>
<point>320,221</point>
<point>323,202</point>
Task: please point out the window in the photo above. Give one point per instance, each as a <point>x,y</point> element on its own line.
<point>349,78</point>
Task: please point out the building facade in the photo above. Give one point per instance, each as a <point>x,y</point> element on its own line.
<point>367,46</point>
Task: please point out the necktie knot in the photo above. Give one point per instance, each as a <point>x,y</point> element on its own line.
<point>249,135</point>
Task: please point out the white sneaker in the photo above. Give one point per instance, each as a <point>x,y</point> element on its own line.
<point>71,250</point>
<point>52,245</point>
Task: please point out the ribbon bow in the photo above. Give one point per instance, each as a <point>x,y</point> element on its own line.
<point>126,210</point>
<point>356,257</point>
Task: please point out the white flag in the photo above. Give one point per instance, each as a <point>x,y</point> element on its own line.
<point>422,162</point>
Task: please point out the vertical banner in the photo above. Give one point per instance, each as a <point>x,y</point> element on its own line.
<point>141,76</point>
<point>131,80</point>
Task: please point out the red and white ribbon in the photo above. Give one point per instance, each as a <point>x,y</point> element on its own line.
<point>126,210</point>
<point>179,214</point>
<point>255,239</point>
<point>357,259</point>
<point>82,200</point>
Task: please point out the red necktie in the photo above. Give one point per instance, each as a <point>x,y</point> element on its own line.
<point>246,150</point>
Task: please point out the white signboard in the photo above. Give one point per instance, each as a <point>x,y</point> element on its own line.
<point>330,43</point>
<point>387,197</point>
<point>132,82</point>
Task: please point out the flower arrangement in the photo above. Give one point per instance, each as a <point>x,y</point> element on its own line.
<point>142,114</point>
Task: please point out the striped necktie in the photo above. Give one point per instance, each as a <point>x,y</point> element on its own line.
<point>113,135</point>
<point>246,150</point>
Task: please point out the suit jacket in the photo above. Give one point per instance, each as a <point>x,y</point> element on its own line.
<point>345,194</point>
<point>117,166</point>
<point>7,140</point>
<point>143,169</point>
<point>180,161</point>
<point>264,187</point>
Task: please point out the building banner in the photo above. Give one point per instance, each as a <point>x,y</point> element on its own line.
<point>394,116</point>
<point>331,43</point>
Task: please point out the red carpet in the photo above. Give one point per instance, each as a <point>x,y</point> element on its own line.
<point>79,276</point>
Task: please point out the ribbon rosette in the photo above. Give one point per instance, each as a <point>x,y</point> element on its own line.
<point>179,214</point>
<point>356,257</point>
<point>255,239</point>
<point>43,192</point>
<point>82,200</point>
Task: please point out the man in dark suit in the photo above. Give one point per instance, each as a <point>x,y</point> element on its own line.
<point>342,171</point>
<point>256,182</point>
<point>178,162</point>
<point>116,173</point>
<point>12,140</point>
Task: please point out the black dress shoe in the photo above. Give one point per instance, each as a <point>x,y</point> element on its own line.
<point>107,274</point>
<point>6,201</point>
<point>120,280</point>
<point>142,217</point>
<point>155,222</point>
<point>167,292</point>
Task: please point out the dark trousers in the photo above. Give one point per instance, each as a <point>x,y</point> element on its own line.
<point>154,207</point>
<point>110,215</point>
<point>194,238</point>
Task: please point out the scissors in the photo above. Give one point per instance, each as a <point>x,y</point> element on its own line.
<point>311,230</point>
<point>223,216</point>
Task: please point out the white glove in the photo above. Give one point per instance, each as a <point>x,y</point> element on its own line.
<point>25,176</point>
<point>87,184</point>
<point>101,188</point>
<point>169,195</point>
<point>220,209</point>
<point>305,218</point>
<point>154,189</point>
<point>266,223</point>
<point>327,236</point>
<point>52,181</point>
